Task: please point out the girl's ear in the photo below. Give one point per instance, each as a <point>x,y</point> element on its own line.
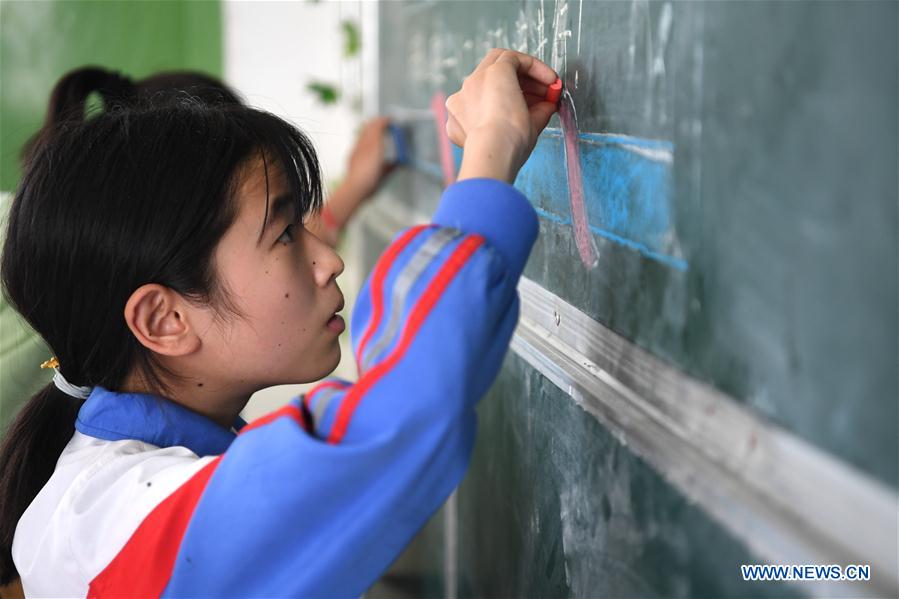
<point>159,318</point>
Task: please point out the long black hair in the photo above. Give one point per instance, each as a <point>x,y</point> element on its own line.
<point>141,193</point>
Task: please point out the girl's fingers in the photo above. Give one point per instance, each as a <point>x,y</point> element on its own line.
<point>489,59</point>
<point>489,93</point>
<point>531,86</point>
<point>525,64</point>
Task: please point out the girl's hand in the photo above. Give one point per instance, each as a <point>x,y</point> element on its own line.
<point>499,113</point>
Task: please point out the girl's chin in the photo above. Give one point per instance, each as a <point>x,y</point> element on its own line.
<point>328,359</point>
<point>333,360</point>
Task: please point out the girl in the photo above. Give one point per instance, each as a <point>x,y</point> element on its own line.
<point>160,251</point>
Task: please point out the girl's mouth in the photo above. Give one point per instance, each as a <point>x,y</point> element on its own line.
<point>336,324</point>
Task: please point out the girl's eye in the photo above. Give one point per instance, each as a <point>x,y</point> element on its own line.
<point>287,235</point>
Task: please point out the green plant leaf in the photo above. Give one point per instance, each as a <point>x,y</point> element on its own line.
<point>350,38</point>
<point>326,93</point>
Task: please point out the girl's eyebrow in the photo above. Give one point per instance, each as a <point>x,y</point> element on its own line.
<point>280,207</point>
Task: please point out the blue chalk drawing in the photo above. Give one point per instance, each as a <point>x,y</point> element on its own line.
<point>627,183</point>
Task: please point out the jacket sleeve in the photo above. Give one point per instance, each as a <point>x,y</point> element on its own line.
<point>320,497</point>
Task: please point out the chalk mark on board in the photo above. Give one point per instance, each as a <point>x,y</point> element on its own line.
<point>540,34</point>
<point>560,33</point>
<point>447,164</point>
<point>585,244</point>
<point>664,31</point>
<point>521,32</point>
<point>657,76</point>
<point>678,264</point>
<point>580,13</point>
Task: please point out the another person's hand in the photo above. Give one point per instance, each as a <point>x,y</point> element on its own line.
<point>499,113</point>
<point>366,169</point>
<point>366,172</point>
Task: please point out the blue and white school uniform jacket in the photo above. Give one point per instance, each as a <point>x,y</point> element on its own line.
<point>320,497</point>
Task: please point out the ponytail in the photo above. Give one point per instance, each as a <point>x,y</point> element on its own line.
<point>69,96</point>
<point>28,456</point>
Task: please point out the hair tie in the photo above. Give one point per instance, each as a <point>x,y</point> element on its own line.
<point>51,363</point>
<point>63,385</point>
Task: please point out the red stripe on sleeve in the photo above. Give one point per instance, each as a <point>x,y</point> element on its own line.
<point>144,565</point>
<point>421,310</point>
<point>377,285</point>
<point>290,410</point>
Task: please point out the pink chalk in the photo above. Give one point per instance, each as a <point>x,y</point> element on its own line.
<point>447,164</point>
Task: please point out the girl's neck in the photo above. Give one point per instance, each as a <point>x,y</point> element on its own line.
<point>220,405</point>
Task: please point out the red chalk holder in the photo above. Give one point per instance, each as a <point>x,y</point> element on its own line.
<point>554,92</point>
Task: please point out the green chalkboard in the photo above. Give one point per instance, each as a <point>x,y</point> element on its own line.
<point>574,513</point>
<point>740,177</point>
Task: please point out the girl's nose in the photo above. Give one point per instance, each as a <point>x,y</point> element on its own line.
<point>326,264</point>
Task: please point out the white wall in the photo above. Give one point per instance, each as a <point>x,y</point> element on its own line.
<point>272,51</point>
